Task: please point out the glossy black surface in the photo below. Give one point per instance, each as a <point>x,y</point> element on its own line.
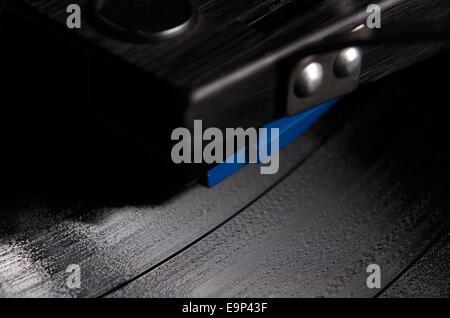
<point>374,193</point>
<point>366,185</point>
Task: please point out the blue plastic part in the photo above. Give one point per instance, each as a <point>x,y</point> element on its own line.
<point>290,128</point>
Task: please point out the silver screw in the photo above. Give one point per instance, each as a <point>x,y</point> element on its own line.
<point>309,80</point>
<point>348,62</point>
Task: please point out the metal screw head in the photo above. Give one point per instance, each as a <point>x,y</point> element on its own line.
<point>348,62</point>
<point>309,79</point>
